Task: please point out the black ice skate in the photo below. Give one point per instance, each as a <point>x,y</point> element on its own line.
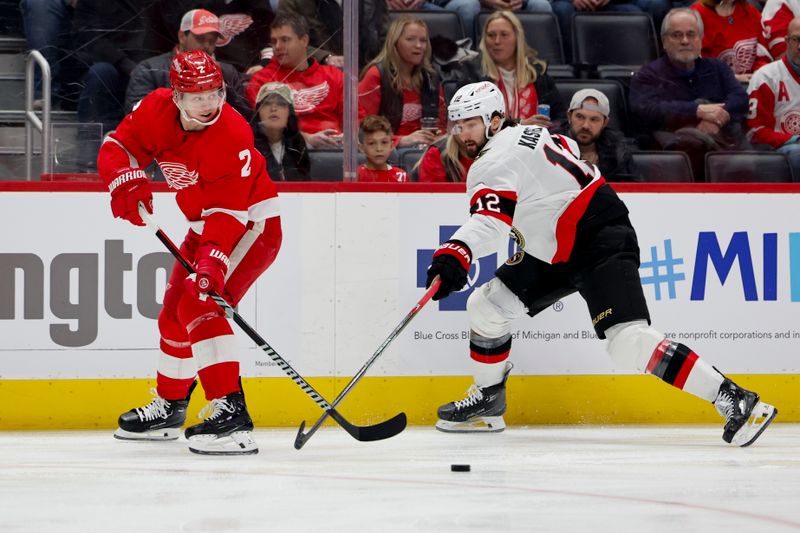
<point>159,420</point>
<point>746,417</point>
<point>481,411</point>
<point>226,431</point>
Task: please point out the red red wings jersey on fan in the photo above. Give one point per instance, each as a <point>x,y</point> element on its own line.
<point>214,170</point>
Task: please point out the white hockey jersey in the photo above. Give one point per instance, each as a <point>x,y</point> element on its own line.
<point>774,110</point>
<point>534,185</point>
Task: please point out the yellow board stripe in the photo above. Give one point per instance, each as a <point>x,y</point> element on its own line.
<point>277,402</point>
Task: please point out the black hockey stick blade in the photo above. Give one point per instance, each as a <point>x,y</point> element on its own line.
<point>380,431</point>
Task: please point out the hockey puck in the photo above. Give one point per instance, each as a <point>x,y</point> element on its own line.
<point>459,468</point>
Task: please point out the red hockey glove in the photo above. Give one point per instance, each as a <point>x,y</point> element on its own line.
<point>211,265</point>
<point>129,187</point>
<point>451,263</point>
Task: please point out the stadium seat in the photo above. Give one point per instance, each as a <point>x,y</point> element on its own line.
<point>748,166</point>
<point>612,89</point>
<point>613,39</point>
<point>659,167</point>
<point>326,165</point>
<point>408,160</point>
<point>541,34</point>
<point>445,23</point>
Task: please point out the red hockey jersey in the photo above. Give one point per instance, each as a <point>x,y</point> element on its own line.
<point>734,39</point>
<point>775,19</point>
<point>369,103</point>
<point>388,175</point>
<point>318,93</point>
<point>774,114</point>
<point>220,179</point>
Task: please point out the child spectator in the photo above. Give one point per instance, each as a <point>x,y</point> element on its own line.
<point>375,140</point>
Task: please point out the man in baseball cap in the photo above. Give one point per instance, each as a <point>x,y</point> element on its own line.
<point>587,123</point>
<point>199,30</point>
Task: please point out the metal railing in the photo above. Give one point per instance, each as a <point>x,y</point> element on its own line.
<point>31,119</point>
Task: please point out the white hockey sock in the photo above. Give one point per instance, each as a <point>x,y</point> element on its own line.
<point>704,381</point>
<point>487,374</point>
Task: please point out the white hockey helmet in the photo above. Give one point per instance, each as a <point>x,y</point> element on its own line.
<point>482,99</point>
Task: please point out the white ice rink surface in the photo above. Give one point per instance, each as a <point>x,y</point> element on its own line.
<point>617,478</point>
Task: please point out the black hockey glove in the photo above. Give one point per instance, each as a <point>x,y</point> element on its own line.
<point>451,263</point>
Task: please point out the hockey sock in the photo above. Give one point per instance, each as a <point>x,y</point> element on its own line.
<point>679,366</point>
<point>171,388</point>
<point>488,358</point>
<point>220,379</point>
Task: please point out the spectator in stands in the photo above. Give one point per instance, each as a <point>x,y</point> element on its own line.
<point>199,30</point>
<point>46,26</point>
<point>688,102</point>
<point>401,85</point>
<point>602,146</point>
<point>508,62</point>
<point>731,29</point>
<point>277,135</point>
<point>565,9</point>
<point>447,160</point>
<point>775,101</point>
<point>326,28</point>
<point>466,9</point>
<point>109,41</point>
<point>317,89</point>
<point>244,25</point>
<point>375,140</point>
<point>775,18</point>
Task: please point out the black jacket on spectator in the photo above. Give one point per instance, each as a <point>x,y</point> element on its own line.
<point>153,73</point>
<point>615,160</point>
<point>244,50</point>
<point>664,97</point>
<point>110,32</point>
<point>295,165</point>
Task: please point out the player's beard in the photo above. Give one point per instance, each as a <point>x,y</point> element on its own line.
<point>587,139</point>
<point>472,150</point>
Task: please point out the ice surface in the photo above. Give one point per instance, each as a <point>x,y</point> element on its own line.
<point>617,478</point>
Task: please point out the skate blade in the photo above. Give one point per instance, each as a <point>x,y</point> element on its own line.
<point>484,424</point>
<point>237,443</point>
<point>761,417</point>
<point>152,435</point>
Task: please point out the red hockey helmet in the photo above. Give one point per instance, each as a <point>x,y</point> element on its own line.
<point>195,72</point>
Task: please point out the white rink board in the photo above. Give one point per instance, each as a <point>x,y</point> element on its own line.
<point>348,272</point>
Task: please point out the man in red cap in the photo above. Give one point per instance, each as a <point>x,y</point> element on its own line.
<point>199,30</point>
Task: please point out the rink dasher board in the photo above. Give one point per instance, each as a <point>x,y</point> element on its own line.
<point>352,264</point>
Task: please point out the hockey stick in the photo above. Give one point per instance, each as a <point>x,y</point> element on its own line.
<point>382,430</point>
<point>303,437</point>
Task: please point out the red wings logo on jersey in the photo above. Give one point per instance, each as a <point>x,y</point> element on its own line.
<point>411,112</point>
<point>791,123</point>
<point>232,25</point>
<point>742,56</point>
<point>177,175</point>
<point>307,99</point>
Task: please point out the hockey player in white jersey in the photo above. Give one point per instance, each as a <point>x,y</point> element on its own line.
<point>573,234</point>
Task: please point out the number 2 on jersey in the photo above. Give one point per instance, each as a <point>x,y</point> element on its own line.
<point>245,156</point>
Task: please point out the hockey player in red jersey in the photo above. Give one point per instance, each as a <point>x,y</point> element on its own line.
<point>574,235</point>
<point>205,150</point>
